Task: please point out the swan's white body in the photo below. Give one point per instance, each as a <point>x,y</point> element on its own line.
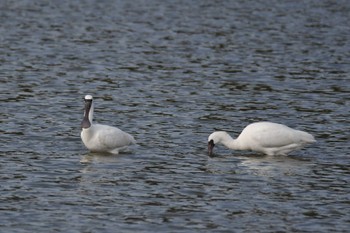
<point>265,137</point>
<point>102,138</point>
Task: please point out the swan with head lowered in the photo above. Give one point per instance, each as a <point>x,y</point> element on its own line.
<point>102,138</point>
<point>264,137</point>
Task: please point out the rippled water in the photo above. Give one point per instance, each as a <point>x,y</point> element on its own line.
<point>169,73</point>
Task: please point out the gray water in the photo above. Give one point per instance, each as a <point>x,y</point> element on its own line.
<point>170,73</point>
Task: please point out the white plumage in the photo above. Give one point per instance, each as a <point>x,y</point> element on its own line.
<point>102,138</point>
<point>265,137</point>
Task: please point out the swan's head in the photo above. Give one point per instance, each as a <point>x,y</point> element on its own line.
<point>86,123</point>
<point>215,138</point>
<point>88,97</point>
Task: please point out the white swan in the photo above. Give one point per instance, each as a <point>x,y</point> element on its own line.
<point>102,138</point>
<point>265,137</point>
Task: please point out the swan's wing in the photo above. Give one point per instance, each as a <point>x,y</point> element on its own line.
<point>274,138</point>
<point>112,138</point>
<point>270,135</point>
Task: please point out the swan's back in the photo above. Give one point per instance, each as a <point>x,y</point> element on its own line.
<point>105,138</point>
<point>273,138</point>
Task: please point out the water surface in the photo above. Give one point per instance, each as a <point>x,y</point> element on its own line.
<point>169,73</point>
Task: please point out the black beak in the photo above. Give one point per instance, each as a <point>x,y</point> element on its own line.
<point>85,122</point>
<point>210,147</point>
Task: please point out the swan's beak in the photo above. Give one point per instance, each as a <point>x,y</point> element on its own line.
<point>86,122</point>
<point>210,147</point>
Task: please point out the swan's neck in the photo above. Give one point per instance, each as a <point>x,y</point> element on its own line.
<point>91,113</point>
<point>232,143</point>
